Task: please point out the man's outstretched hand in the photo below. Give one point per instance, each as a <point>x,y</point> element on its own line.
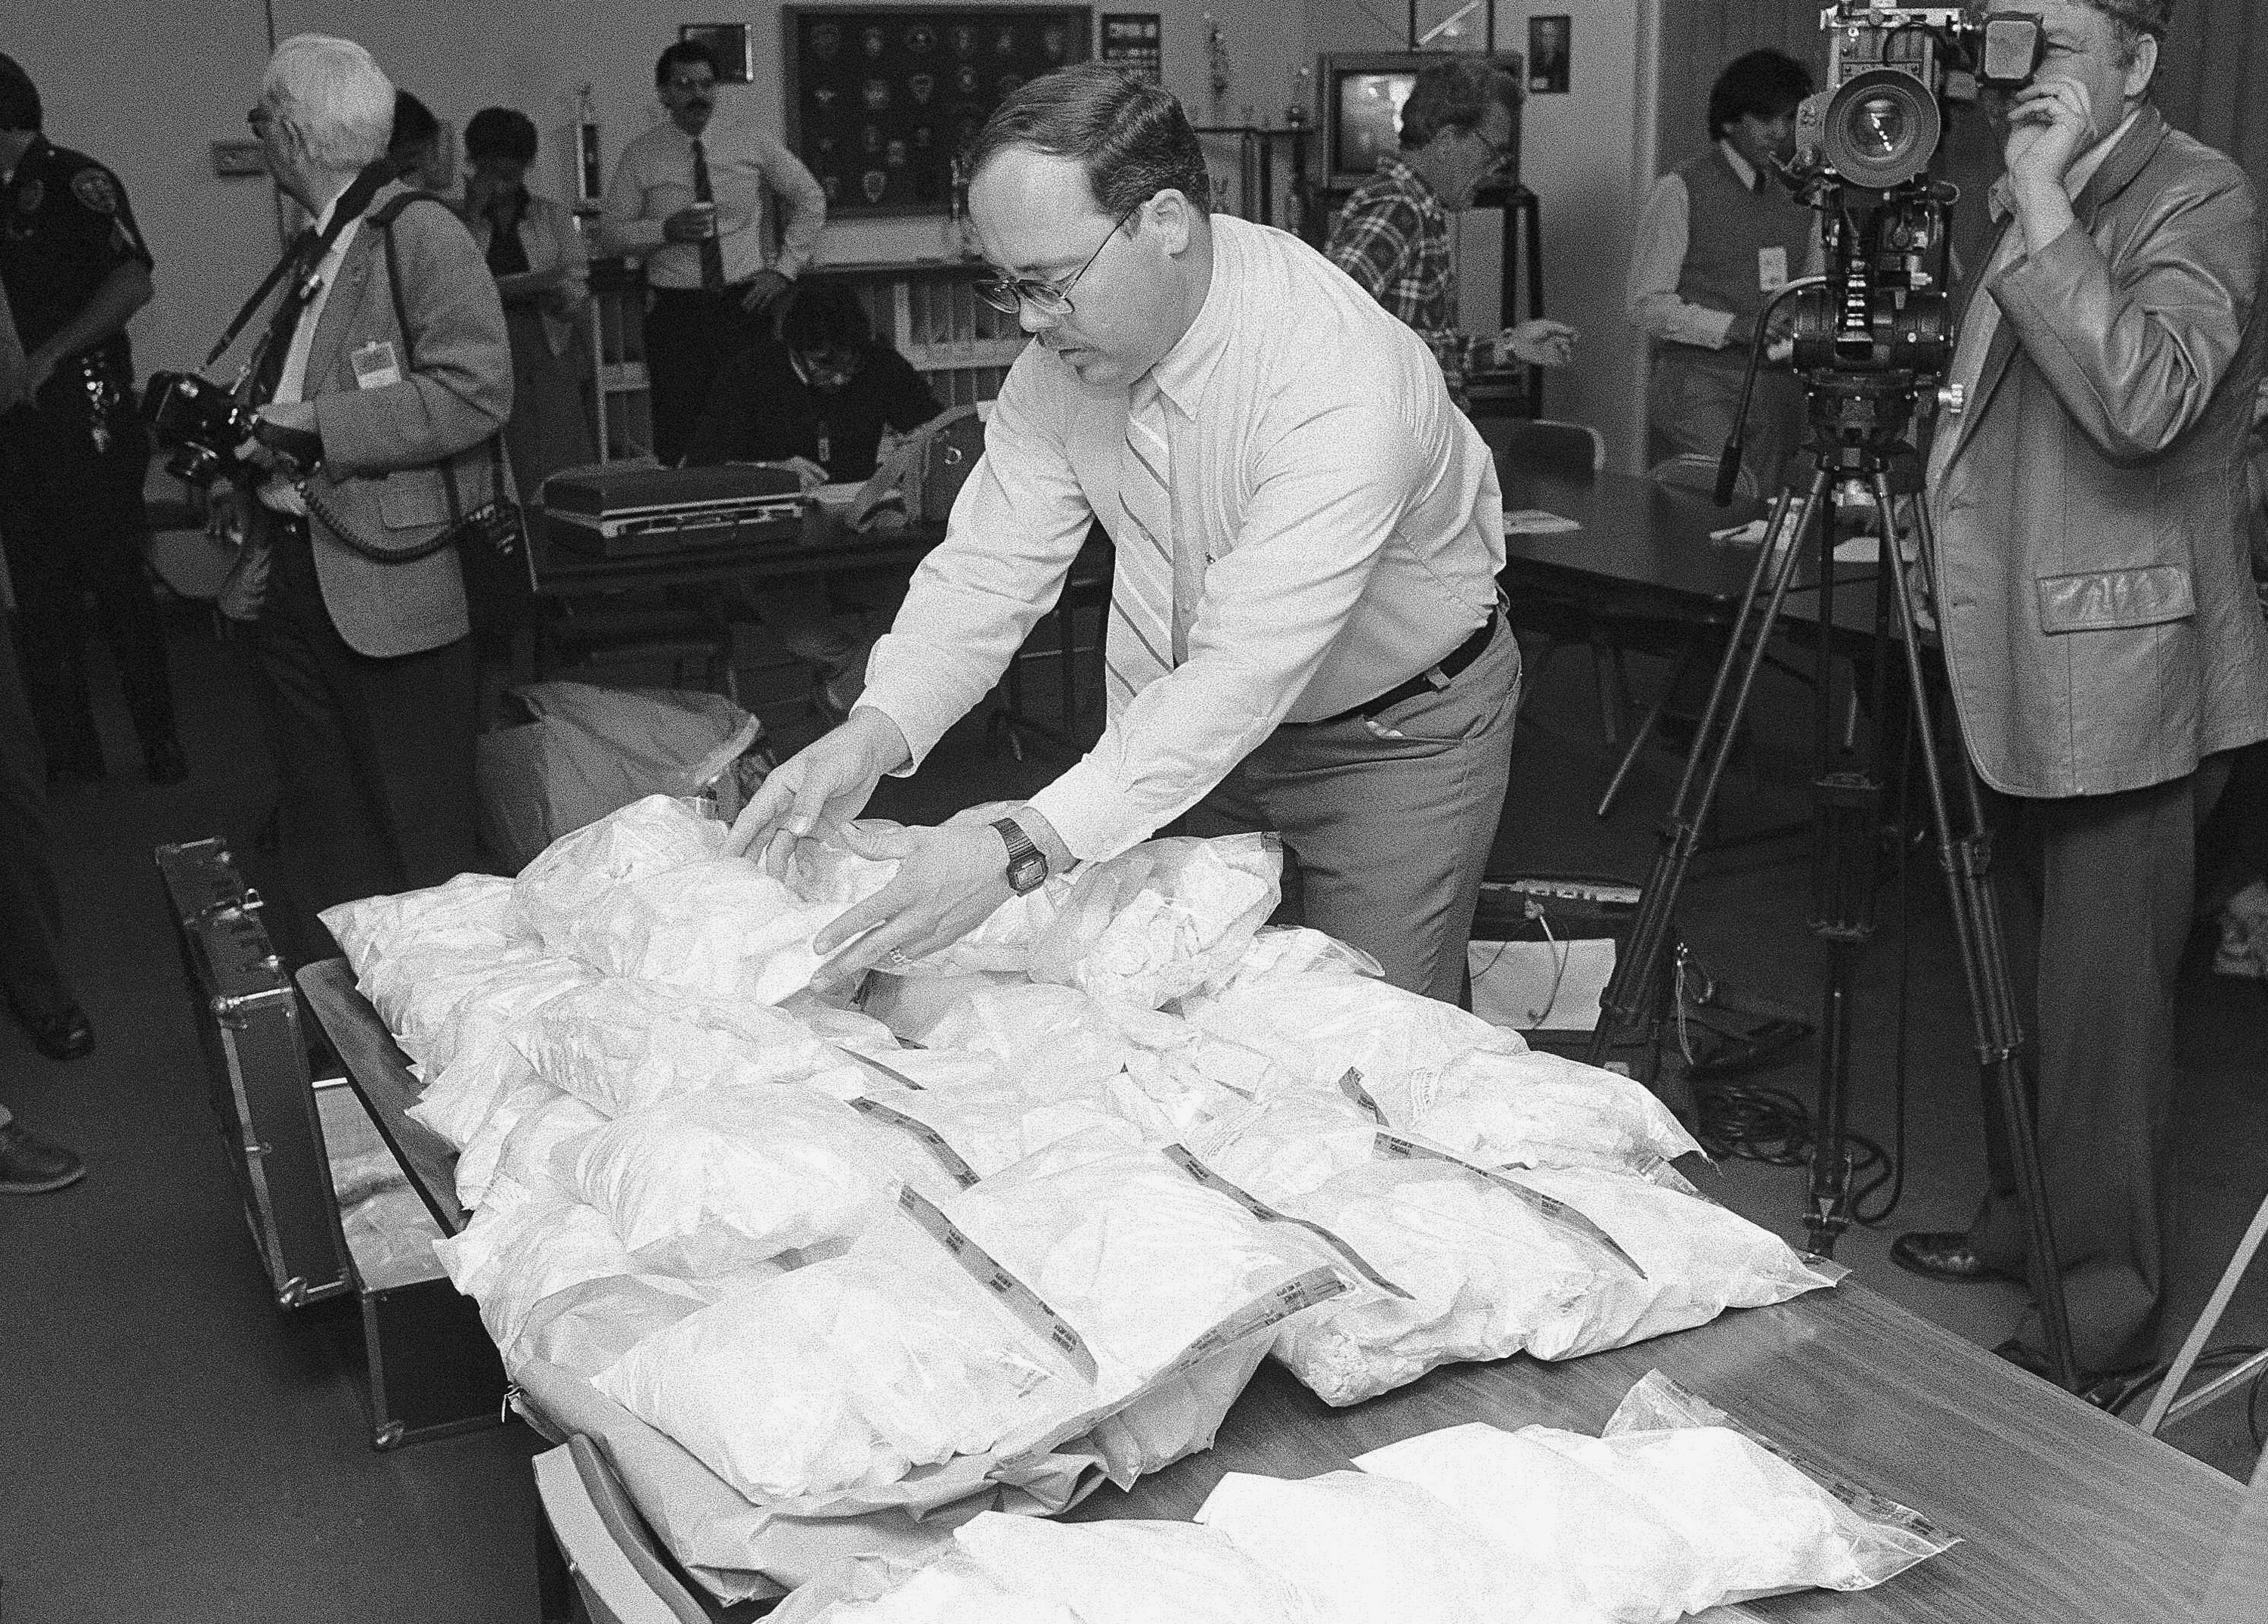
<point>818,789</point>
<point>950,880</point>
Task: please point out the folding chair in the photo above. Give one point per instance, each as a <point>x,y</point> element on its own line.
<point>619,1571</point>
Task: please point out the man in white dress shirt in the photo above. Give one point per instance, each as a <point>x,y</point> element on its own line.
<point>688,198</point>
<point>1304,632</point>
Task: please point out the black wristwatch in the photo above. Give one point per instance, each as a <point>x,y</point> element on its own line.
<point>1028,865</point>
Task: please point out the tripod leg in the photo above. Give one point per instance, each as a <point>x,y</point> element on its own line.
<point>1965,855</point>
<point>1633,997</point>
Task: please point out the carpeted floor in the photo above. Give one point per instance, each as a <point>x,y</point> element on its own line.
<point>175,1447</point>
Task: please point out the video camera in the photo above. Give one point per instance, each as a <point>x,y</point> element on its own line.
<point>1876,329</point>
<point>1889,69</point>
<point>201,423</point>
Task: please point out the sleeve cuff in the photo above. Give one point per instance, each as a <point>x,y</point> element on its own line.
<point>1087,817</point>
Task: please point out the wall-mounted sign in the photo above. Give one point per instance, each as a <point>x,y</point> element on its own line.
<point>238,158</point>
<point>1549,39</point>
<point>1136,41</point>
<point>730,44</point>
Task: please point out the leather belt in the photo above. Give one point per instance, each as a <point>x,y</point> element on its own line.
<point>1431,680</point>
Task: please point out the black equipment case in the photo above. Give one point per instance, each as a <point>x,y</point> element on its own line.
<point>248,1016</point>
<point>330,1208</point>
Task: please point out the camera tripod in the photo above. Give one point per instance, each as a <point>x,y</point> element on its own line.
<point>1858,422</point>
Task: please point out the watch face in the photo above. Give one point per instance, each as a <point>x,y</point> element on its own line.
<point>1027,872</point>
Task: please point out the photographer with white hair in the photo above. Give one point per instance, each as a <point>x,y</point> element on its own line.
<point>384,381</point>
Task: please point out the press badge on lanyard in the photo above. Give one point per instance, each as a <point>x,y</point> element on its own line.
<point>1771,269</point>
<point>374,366</point>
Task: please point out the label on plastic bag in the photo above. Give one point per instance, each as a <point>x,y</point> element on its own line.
<point>928,1137</point>
<point>1351,1085</point>
<point>1658,1171</point>
<point>1319,1284</point>
<point>1547,1208</point>
<point>898,1077</point>
<point>1017,1298</point>
<point>1180,1156</point>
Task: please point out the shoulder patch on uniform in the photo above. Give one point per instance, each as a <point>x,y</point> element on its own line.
<point>94,188</point>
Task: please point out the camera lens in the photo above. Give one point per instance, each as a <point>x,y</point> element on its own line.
<point>1882,129</point>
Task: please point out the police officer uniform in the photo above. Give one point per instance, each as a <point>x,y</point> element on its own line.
<point>71,466</point>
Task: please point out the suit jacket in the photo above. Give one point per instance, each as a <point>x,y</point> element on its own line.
<point>385,448</point>
<point>2091,588</point>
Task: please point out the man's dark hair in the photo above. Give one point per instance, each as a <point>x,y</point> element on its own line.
<point>685,53</point>
<point>1132,135</point>
<point>1767,83</point>
<point>414,124</point>
<point>501,132</point>
<point>825,315</point>
<point>20,98</point>
<point>1455,95</point>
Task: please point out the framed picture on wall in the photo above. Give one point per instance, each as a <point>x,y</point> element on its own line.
<point>1549,43</point>
<point>880,98</point>
<point>730,44</point>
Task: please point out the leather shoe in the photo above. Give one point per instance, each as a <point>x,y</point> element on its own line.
<point>31,1166</point>
<point>163,763</point>
<point>1943,1254</point>
<point>2105,1390</point>
<point>63,1033</point>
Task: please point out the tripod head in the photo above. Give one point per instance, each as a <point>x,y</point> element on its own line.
<point>1871,335</point>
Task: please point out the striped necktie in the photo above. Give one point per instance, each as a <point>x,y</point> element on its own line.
<point>712,250</point>
<point>1147,638</point>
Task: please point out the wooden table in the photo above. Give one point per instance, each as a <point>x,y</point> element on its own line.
<point>2066,1514</point>
<point>1644,547</point>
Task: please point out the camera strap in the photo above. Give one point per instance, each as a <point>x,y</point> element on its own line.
<point>307,250</point>
<point>497,520</point>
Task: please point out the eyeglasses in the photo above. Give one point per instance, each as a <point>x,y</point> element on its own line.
<point>1009,294</point>
<point>1499,153</point>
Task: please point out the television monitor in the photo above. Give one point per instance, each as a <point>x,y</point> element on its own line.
<point>1360,115</point>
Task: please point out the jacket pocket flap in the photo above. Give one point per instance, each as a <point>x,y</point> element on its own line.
<point>413,499</point>
<point>2109,600</point>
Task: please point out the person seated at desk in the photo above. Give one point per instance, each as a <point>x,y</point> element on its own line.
<point>822,392</point>
<point>818,398</point>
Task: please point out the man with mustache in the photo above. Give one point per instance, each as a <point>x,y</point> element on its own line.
<point>2105,652</point>
<point>688,198</point>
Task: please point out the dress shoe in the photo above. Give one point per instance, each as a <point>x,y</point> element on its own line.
<point>31,1166</point>
<point>61,1034</point>
<point>163,763</point>
<point>2105,1390</point>
<point>1943,1254</point>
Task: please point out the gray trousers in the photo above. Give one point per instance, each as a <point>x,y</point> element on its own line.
<point>2096,894</point>
<point>1391,818</point>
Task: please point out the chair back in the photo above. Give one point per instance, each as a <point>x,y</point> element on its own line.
<point>1546,446</point>
<point>1690,471</point>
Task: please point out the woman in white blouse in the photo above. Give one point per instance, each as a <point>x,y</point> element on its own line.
<point>538,260</point>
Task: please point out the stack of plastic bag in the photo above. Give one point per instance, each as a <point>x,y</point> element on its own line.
<point>621,1044</point>
<point>1674,1511</point>
<point>749,1172</point>
<point>467,914</point>
<point>1161,919</point>
<point>647,836</point>
<point>1554,1262</point>
<point>1020,1570</point>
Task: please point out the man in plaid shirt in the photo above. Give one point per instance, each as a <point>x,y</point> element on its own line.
<point>1393,235</point>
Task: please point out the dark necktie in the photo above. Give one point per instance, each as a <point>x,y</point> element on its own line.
<point>507,256</point>
<point>712,250</point>
<point>284,322</point>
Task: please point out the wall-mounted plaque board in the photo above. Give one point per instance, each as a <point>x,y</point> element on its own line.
<point>879,97</point>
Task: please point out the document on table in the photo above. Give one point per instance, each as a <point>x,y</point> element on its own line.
<point>1868,549</point>
<point>1536,521</point>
